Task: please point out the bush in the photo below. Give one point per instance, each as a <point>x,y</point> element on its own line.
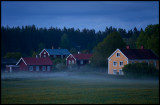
<point>140,70</point>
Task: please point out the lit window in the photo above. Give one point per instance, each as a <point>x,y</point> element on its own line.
<point>44,52</point>
<point>48,68</point>
<point>30,68</point>
<point>69,62</point>
<point>43,68</point>
<point>81,61</point>
<point>37,68</point>
<point>72,61</point>
<point>114,71</point>
<point>118,54</point>
<point>114,63</point>
<point>120,63</point>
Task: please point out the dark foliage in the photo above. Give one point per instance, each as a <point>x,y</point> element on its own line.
<point>138,70</point>
<point>29,39</point>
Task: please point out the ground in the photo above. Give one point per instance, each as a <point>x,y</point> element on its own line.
<point>76,87</point>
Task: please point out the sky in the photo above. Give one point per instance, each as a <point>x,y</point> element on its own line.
<point>80,14</point>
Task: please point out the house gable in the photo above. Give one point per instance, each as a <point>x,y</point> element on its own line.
<point>70,58</point>
<point>116,52</point>
<point>116,62</point>
<point>22,60</point>
<point>44,50</point>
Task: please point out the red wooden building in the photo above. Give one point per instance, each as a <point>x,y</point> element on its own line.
<point>35,64</point>
<point>79,59</point>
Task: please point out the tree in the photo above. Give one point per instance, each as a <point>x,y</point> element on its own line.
<point>15,55</point>
<point>41,46</point>
<point>104,49</point>
<point>149,38</point>
<point>34,54</point>
<point>65,43</point>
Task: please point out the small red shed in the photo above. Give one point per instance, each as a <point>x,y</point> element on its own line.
<point>35,64</point>
<point>79,59</point>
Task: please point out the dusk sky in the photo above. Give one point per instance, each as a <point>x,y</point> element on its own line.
<point>80,14</point>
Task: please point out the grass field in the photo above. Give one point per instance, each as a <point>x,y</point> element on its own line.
<point>72,88</point>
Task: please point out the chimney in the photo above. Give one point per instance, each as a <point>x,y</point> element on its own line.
<point>142,47</point>
<point>52,47</point>
<point>127,47</point>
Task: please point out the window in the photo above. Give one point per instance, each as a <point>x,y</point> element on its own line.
<point>118,54</point>
<point>48,68</point>
<point>114,71</point>
<point>114,63</point>
<point>43,68</point>
<point>120,72</point>
<point>69,62</point>
<point>37,68</point>
<point>30,68</point>
<point>120,63</point>
<point>72,61</point>
<point>81,61</point>
<point>44,52</point>
<point>45,56</point>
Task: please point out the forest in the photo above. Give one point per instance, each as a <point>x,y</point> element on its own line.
<point>29,40</point>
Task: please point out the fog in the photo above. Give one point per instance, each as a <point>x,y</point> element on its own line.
<point>94,77</point>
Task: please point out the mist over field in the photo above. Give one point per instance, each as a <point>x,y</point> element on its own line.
<point>74,75</point>
<point>76,87</point>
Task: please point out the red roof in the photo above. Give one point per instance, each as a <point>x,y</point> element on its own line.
<point>37,61</point>
<point>82,56</point>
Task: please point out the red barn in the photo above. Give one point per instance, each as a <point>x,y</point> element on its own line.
<point>79,59</point>
<point>35,64</point>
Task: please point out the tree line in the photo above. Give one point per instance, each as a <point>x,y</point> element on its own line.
<point>30,40</point>
<point>27,39</point>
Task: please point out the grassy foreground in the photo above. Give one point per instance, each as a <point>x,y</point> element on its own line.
<point>72,88</point>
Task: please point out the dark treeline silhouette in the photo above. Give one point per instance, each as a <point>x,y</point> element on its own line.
<point>29,39</point>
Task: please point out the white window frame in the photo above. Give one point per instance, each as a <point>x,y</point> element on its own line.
<point>37,68</point>
<point>30,68</point>
<point>81,62</point>
<point>120,63</point>
<point>69,62</point>
<point>114,71</point>
<point>117,54</point>
<point>43,68</point>
<point>72,61</point>
<point>48,68</point>
<point>44,52</point>
<point>115,65</point>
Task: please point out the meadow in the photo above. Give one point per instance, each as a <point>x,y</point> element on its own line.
<point>76,88</point>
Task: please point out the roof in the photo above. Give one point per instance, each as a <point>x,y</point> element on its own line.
<point>139,53</point>
<point>36,61</point>
<point>58,51</point>
<point>83,56</point>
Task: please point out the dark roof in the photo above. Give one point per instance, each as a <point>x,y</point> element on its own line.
<point>82,56</point>
<point>37,61</point>
<point>139,54</point>
<point>58,51</point>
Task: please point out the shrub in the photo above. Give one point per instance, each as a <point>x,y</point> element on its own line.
<point>140,70</point>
